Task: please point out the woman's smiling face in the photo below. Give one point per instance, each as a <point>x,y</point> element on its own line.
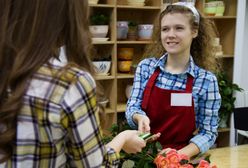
<point>177,34</point>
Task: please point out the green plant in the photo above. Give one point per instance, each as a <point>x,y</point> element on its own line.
<point>132,24</point>
<point>99,19</point>
<point>227,88</point>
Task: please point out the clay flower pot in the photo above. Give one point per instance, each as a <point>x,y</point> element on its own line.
<point>125,53</point>
<point>124,66</point>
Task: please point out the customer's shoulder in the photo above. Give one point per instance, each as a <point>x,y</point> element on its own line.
<point>68,74</point>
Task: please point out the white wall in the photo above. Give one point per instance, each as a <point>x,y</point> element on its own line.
<point>241,46</point>
<point>241,59</point>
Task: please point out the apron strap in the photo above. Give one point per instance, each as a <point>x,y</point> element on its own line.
<point>148,88</point>
<point>189,83</point>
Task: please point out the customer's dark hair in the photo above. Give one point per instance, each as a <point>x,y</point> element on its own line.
<point>31,32</point>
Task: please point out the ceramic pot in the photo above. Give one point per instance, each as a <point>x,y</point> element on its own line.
<point>124,66</point>
<point>103,102</point>
<point>210,8</point>
<point>122,29</point>
<point>125,53</point>
<point>102,67</point>
<point>220,8</point>
<point>132,34</point>
<point>136,2</point>
<point>223,121</point>
<point>99,31</point>
<point>128,90</point>
<point>145,31</point>
<point>93,2</point>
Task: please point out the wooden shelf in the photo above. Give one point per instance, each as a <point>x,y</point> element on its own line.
<point>220,17</point>
<point>223,129</point>
<point>103,42</point>
<point>102,6</point>
<point>109,110</point>
<point>138,7</point>
<point>104,77</point>
<point>225,56</point>
<point>134,42</point>
<point>124,76</point>
<point>121,107</point>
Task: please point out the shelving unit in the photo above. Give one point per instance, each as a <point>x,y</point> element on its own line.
<point>118,10</point>
<point>115,83</point>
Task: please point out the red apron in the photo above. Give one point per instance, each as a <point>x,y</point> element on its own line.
<point>175,123</point>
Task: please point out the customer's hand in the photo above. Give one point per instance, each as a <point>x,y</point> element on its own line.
<point>154,137</point>
<point>133,142</point>
<point>143,122</point>
<point>128,140</point>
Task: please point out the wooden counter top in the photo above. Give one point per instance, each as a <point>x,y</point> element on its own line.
<point>230,157</point>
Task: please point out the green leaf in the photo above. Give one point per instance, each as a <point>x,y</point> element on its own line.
<point>146,165</point>
<point>140,163</point>
<point>158,146</point>
<point>128,164</point>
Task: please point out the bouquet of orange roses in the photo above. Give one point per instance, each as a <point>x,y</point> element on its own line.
<point>172,159</point>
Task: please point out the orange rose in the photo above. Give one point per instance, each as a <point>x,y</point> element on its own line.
<point>160,161</point>
<point>203,164</point>
<point>173,156</point>
<point>186,166</point>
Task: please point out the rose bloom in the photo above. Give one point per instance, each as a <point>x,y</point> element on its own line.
<point>186,166</point>
<point>160,161</point>
<point>172,159</point>
<point>205,164</point>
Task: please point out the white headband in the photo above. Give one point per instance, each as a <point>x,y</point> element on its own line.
<point>192,9</point>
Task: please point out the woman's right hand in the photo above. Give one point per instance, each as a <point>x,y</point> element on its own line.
<point>133,143</point>
<point>128,140</point>
<point>143,122</point>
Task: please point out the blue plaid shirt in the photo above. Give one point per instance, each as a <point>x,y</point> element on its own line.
<point>206,96</point>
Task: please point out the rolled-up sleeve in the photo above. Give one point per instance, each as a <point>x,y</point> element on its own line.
<point>208,105</point>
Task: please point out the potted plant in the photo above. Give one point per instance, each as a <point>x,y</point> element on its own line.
<point>132,30</point>
<point>227,88</point>
<point>99,25</point>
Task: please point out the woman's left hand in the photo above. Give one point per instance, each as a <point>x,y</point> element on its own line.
<point>143,122</point>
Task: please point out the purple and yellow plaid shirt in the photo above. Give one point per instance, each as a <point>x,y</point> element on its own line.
<point>58,125</point>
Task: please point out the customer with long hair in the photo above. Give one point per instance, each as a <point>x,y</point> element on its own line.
<point>48,108</point>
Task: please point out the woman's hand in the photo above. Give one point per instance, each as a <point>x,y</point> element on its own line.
<point>143,122</point>
<point>164,151</point>
<point>133,143</point>
<point>129,141</point>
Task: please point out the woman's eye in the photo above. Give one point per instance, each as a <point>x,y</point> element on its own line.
<point>179,28</point>
<point>165,29</point>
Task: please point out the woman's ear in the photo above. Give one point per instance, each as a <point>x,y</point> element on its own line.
<point>195,33</point>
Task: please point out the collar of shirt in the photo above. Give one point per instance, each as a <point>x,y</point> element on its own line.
<point>61,60</point>
<point>162,60</point>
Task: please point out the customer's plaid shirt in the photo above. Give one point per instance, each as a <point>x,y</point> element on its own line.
<point>58,125</point>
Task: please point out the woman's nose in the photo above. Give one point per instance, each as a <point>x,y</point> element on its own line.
<point>171,33</point>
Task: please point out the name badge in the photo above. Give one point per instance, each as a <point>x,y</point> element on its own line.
<point>181,99</point>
